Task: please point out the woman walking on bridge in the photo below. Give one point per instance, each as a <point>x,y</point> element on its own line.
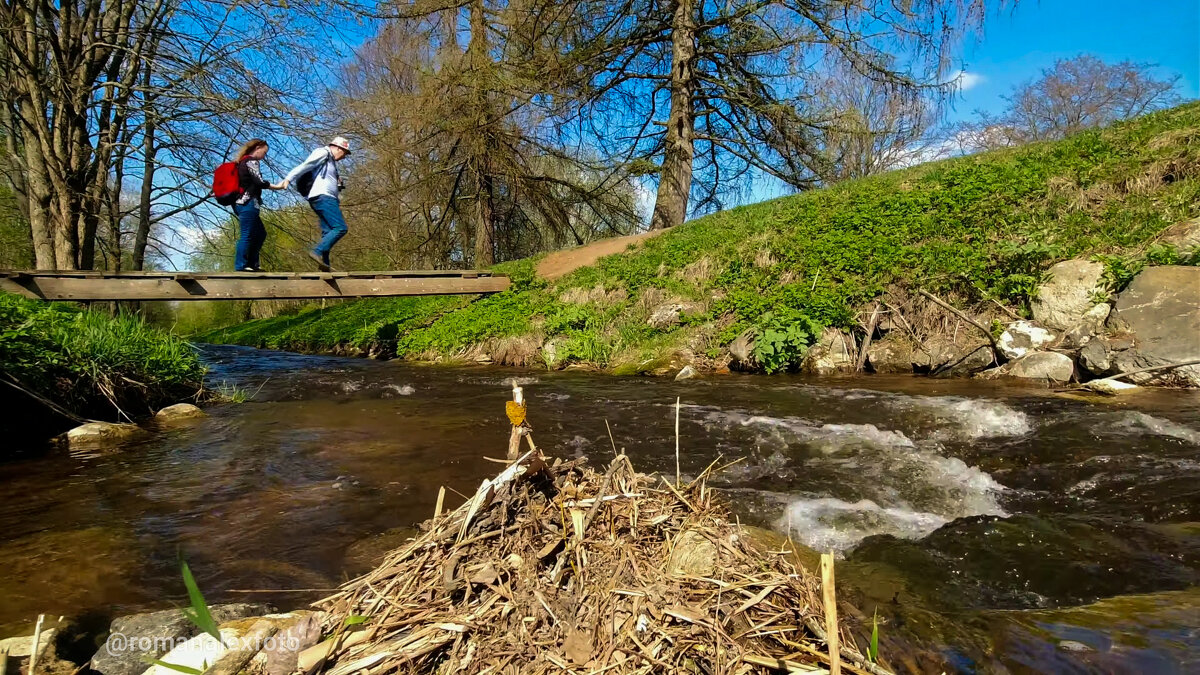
<point>248,206</point>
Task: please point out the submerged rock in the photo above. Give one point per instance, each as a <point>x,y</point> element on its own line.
<point>1022,338</point>
<point>1161,307</point>
<point>1068,294</point>
<point>100,433</point>
<point>178,412</point>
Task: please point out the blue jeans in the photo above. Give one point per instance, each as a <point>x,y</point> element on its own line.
<point>333,225</point>
<point>253,234</point>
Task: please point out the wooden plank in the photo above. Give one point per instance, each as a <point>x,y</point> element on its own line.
<point>91,274</point>
<point>325,285</point>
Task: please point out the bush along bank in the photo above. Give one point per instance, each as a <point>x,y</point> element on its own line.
<point>60,365</point>
<point>828,279</point>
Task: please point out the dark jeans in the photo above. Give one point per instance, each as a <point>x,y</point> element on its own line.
<point>333,225</point>
<point>253,234</point>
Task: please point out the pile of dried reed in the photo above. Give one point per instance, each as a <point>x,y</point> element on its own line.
<point>560,568</point>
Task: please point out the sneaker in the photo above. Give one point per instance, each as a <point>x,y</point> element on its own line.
<point>321,264</point>
<point>249,269</point>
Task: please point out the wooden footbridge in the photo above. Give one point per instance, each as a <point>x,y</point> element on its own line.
<point>87,286</point>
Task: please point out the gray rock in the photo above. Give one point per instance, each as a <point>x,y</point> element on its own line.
<point>964,362</point>
<point>159,631</point>
<point>1073,646</point>
<point>1109,387</point>
<point>21,647</point>
<point>95,434</point>
<point>1095,357</point>
<point>1088,327</point>
<point>178,412</point>
<point>668,315</point>
<point>1184,236</point>
<point>686,373</point>
<point>1046,366</point>
<point>550,352</point>
<point>741,350</point>
<point>1062,301</point>
<point>1022,338</point>
<point>896,353</point>
<point>1161,307</point>
<point>834,352</point>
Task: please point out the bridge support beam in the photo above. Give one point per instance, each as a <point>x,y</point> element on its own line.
<point>107,286</point>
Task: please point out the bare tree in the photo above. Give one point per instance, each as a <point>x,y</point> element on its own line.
<point>460,160</point>
<point>1072,95</point>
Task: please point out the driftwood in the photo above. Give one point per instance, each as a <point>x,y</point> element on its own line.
<point>962,315</point>
<point>862,351</point>
<point>233,661</point>
<point>1153,369</point>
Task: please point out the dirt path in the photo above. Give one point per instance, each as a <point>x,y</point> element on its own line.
<point>560,263</point>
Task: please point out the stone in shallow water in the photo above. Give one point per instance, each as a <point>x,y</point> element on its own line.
<point>158,632</point>
<point>94,434</point>
<point>178,412</point>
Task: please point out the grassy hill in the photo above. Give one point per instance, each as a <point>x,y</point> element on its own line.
<point>978,230</point>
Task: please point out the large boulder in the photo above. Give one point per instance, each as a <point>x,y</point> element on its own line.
<point>1045,366</point>
<point>1023,337</point>
<point>958,357</point>
<point>1068,293</point>
<point>150,635</point>
<point>1161,307</point>
<point>834,352</point>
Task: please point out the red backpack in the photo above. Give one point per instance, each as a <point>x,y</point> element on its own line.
<point>226,186</point>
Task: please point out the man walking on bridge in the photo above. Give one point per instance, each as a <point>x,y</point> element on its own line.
<point>318,181</point>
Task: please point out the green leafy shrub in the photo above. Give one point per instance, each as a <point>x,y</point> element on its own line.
<point>781,339</point>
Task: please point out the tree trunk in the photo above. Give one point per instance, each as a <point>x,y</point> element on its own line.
<point>485,226</point>
<point>675,175</point>
<point>144,200</point>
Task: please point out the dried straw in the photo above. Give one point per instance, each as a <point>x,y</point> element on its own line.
<point>551,569</point>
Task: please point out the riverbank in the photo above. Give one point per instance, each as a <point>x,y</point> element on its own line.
<point>757,287</point>
<point>958,507</point>
<point>60,365</point>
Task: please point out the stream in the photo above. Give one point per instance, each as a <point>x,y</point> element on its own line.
<point>1002,528</point>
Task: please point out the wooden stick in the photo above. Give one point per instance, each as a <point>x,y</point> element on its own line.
<point>514,439</point>
<point>233,661</point>
<point>437,510</point>
<point>862,352</point>
<point>831,624</point>
<point>37,638</point>
<point>677,399</point>
<point>4,661</point>
<point>959,313</point>
<point>1151,369</point>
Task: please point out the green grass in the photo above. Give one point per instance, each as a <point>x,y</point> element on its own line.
<point>978,228</point>
<point>91,363</point>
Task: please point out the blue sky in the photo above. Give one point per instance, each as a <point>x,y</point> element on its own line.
<point>1017,43</point>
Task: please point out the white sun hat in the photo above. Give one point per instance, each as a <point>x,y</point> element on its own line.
<point>341,142</point>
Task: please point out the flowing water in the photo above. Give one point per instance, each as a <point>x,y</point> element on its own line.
<point>1000,528</point>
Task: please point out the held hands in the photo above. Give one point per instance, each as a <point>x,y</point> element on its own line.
<point>281,185</point>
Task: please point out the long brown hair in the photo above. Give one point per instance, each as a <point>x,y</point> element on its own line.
<point>249,147</point>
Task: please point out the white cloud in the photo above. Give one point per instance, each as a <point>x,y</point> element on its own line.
<point>965,81</point>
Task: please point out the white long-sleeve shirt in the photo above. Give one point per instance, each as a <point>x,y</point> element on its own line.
<point>325,173</point>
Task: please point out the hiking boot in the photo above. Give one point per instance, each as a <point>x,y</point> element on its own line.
<point>321,264</point>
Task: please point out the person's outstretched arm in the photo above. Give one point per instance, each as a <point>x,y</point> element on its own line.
<point>316,159</point>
